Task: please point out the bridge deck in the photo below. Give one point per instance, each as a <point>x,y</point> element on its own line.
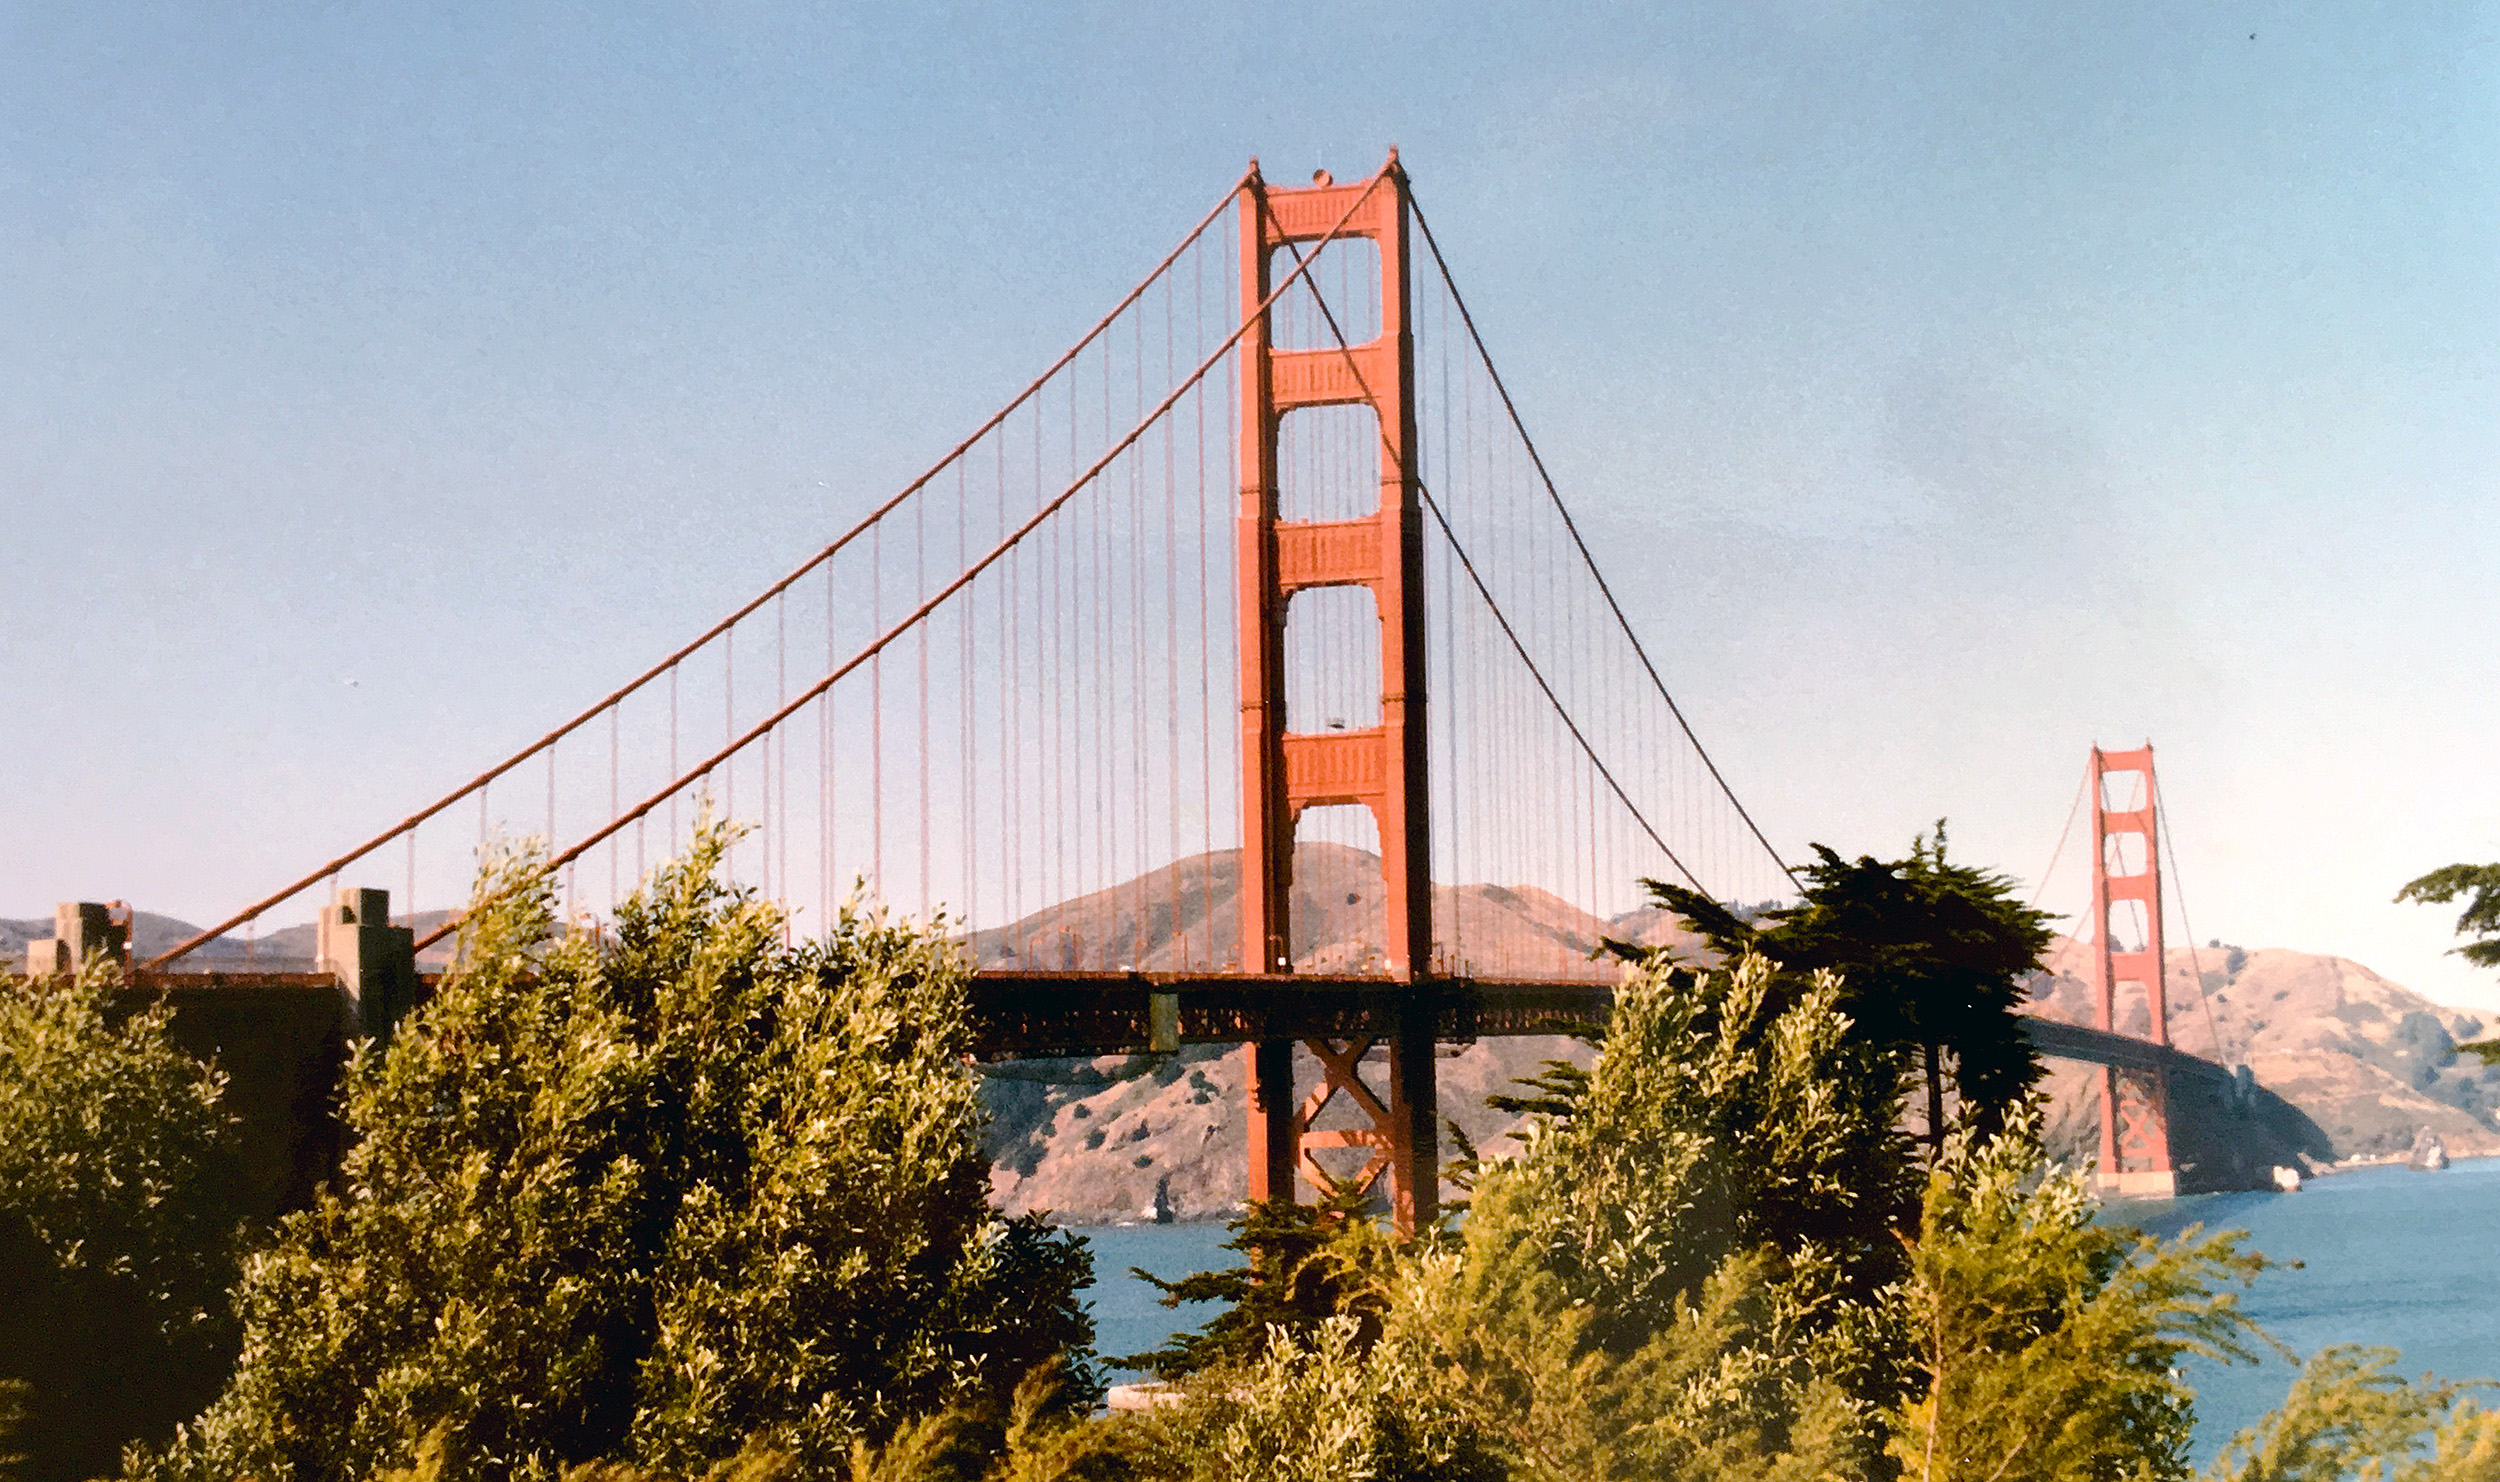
<point>1098,1013</point>
<point>1092,1013</point>
<point>2061,1041</point>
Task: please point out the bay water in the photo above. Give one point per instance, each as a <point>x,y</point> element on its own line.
<point>2386,1256</point>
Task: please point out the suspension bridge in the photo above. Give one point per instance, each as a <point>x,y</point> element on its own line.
<point>1262,584</point>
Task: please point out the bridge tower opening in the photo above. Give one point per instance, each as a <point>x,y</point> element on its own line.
<point>1380,766</point>
<point>2128,954</point>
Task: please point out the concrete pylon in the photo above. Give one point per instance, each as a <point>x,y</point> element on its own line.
<point>374,961</point>
<point>81,931</point>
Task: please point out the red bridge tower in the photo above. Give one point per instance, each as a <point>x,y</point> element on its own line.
<point>2126,875</point>
<point>1379,767</point>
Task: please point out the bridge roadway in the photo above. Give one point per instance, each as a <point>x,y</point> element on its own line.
<point>282,1038</point>
<point>1091,1013</point>
<point>1096,1013</point>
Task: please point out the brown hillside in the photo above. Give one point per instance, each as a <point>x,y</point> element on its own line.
<point>1187,915</point>
<point>2369,1060</point>
<point>1090,1140</point>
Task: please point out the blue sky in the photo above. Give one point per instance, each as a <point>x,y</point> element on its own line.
<point>1954,387</point>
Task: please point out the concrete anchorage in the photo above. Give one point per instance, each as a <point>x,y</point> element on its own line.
<point>375,962</point>
<point>82,931</point>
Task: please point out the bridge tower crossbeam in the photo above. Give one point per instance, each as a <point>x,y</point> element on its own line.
<point>2126,872</point>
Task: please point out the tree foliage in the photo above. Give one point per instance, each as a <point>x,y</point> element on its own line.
<point>117,1225</point>
<point>652,1200</point>
<point>2480,885</point>
<point>1680,1273</point>
<point>1931,956</point>
<point>2046,1345</point>
<point>2351,1415</point>
<point>1316,1407</point>
<point>1722,1117</point>
<point>1303,1266</point>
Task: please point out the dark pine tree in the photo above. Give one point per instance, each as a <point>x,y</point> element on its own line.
<point>1932,956</point>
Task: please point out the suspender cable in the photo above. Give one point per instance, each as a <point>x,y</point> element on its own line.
<point>667,666</point>
<point>1354,366</point>
<point>1555,493</point>
<point>965,578</point>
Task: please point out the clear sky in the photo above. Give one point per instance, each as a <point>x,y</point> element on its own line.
<point>1952,387</point>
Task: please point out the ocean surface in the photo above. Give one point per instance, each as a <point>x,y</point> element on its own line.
<point>2404,1260</point>
<point>2386,1256</point>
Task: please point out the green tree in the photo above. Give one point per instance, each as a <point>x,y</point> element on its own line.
<point>2047,1345</point>
<point>2350,1415</point>
<point>117,1225</point>
<point>1683,1273</point>
<point>1318,1406</point>
<point>2480,885</point>
<point>1932,957</point>
<point>653,1201</point>
<point>1303,1265</point>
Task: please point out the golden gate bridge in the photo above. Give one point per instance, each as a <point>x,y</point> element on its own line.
<point>1265,563</point>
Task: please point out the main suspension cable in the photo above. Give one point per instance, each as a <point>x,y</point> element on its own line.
<point>1459,550</point>
<point>668,664</point>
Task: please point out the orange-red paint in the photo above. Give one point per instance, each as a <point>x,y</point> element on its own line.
<point>1381,767</point>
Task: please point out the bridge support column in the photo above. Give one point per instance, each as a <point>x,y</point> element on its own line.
<point>374,961</point>
<point>1414,1121</point>
<point>2126,900</point>
<point>1275,1130</point>
<point>2135,1133</point>
<point>81,930</point>
<point>1379,767</point>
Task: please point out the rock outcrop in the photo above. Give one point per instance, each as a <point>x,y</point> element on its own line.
<point>2429,1154</point>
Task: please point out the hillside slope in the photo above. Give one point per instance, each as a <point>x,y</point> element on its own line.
<point>2369,1060</point>
<point>1091,1140</point>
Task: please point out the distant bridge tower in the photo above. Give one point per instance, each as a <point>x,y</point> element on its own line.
<point>1378,767</point>
<point>2126,879</point>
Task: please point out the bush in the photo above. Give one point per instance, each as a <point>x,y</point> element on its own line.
<point>2349,1415</point>
<point>654,1201</point>
<point>1681,1276</point>
<point>2048,1344</point>
<point>116,1225</point>
<point>1724,1118</point>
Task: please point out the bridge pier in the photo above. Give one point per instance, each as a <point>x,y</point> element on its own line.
<point>2136,1161</point>
<point>1275,1139</point>
<point>375,962</point>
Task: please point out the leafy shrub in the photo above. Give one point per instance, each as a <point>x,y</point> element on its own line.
<point>116,1224</point>
<point>1723,1117</point>
<point>2047,1345</point>
<point>2350,1415</point>
<point>654,1201</point>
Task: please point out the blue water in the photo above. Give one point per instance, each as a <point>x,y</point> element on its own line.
<point>2406,1260</point>
<point>1128,1314</point>
<point>2388,1256</point>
